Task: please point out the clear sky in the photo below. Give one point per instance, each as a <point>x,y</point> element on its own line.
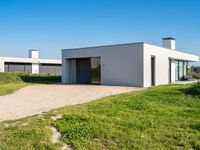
<point>52,25</point>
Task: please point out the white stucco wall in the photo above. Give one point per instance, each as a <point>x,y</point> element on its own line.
<point>162,56</point>
<point>35,68</point>
<point>120,64</point>
<point>1,66</point>
<point>173,71</point>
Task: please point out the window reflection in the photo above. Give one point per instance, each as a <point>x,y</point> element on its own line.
<point>181,70</point>
<point>95,70</point>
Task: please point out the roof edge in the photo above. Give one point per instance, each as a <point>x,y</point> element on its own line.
<point>101,46</point>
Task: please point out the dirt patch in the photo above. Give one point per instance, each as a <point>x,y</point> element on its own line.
<point>42,98</point>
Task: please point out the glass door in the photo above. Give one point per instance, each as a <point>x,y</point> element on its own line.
<point>96,70</point>
<point>153,70</point>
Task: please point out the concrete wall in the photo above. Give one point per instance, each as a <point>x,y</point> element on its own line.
<point>72,71</point>
<point>120,64</point>
<point>162,56</point>
<point>35,68</point>
<point>173,71</point>
<point>1,65</point>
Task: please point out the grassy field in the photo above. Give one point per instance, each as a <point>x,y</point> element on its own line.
<point>164,117</point>
<point>10,82</point>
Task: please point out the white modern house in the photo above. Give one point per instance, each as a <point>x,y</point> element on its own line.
<point>134,64</point>
<point>33,64</point>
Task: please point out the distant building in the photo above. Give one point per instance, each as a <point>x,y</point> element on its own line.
<point>33,64</point>
<point>196,69</point>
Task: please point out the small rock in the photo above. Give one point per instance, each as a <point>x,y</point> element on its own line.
<point>56,117</point>
<point>25,124</point>
<point>66,147</point>
<point>56,135</point>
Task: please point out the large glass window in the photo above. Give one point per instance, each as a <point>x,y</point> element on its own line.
<point>185,67</point>
<point>181,70</point>
<point>96,70</point>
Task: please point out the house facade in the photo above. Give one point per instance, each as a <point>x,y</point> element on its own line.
<point>134,64</point>
<point>33,64</point>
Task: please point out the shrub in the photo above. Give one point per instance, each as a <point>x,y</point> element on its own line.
<point>197,76</point>
<point>6,78</point>
<point>194,90</point>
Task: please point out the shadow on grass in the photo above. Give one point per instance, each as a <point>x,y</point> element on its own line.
<point>194,90</point>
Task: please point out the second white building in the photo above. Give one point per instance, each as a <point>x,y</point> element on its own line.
<point>33,64</point>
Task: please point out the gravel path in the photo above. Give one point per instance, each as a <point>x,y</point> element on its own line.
<point>36,99</point>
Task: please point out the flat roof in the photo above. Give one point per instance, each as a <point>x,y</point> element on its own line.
<point>30,60</point>
<point>118,45</point>
<point>102,46</point>
<point>84,48</point>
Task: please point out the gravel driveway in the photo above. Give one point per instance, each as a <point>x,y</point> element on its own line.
<point>41,98</point>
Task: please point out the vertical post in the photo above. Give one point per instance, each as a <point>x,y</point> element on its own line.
<point>65,71</point>
<point>153,72</point>
<point>35,68</point>
<point>2,66</point>
<point>170,71</point>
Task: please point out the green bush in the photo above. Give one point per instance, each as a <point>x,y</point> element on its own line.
<point>30,78</point>
<point>194,90</point>
<point>197,76</point>
<point>6,78</point>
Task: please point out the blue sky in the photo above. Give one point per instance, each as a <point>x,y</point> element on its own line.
<point>52,25</point>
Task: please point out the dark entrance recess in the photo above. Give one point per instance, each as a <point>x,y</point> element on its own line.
<point>153,70</point>
<point>170,72</point>
<point>88,70</point>
<point>83,71</point>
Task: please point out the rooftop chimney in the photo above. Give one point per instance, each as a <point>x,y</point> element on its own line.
<point>33,53</point>
<point>169,43</point>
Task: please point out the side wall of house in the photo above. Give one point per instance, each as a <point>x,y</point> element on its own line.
<point>162,56</point>
<point>35,68</point>
<point>120,64</point>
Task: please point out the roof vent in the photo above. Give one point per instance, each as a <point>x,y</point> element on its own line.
<point>169,43</point>
<point>33,53</point>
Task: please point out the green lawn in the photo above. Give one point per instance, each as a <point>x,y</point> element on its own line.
<point>10,82</point>
<point>11,87</point>
<point>164,117</point>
